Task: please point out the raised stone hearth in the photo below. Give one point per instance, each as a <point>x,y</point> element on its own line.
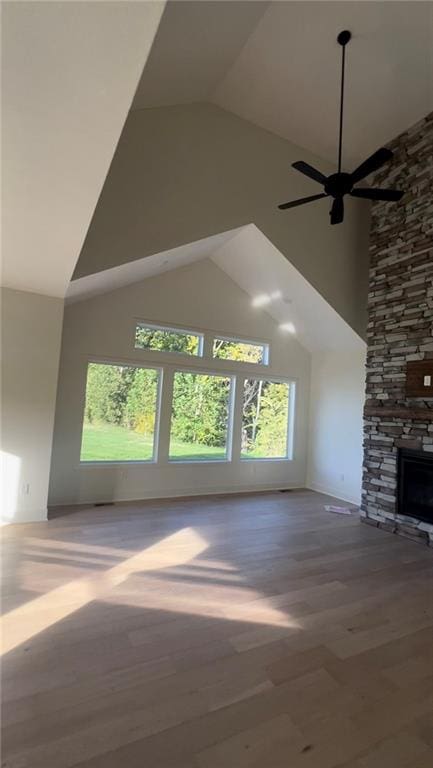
<point>400,329</point>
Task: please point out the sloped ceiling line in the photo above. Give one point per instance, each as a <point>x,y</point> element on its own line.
<point>277,65</point>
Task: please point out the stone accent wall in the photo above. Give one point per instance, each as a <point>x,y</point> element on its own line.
<point>400,327</point>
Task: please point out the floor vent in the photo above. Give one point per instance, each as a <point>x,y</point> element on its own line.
<point>104,504</point>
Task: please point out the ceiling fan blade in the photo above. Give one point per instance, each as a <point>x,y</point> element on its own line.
<point>309,171</point>
<point>373,193</point>
<point>373,163</point>
<point>301,201</point>
<point>337,211</point>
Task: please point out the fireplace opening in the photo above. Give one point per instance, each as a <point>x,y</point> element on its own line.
<point>415,484</point>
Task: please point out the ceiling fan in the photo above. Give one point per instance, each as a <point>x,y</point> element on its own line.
<point>339,184</point>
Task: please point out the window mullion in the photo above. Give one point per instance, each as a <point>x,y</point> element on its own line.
<point>207,346</point>
<point>163,443</point>
<point>236,431</point>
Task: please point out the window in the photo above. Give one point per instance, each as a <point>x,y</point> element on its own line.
<point>120,413</point>
<point>265,419</point>
<point>200,417</point>
<point>162,339</point>
<point>242,351</point>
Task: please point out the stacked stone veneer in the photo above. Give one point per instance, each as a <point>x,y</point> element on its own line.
<point>400,327</point>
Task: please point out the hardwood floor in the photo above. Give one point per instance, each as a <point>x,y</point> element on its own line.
<point>226,632</point>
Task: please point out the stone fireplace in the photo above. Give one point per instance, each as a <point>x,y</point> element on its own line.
<point>398,432</point>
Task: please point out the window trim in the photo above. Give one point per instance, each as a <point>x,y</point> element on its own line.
<point>166,364</point>
<point>265,345</point>
<point>200,335</point>
<point>230,420</point>
<point>290,418</point>
<point>237,379</point>
<point>156,432</point>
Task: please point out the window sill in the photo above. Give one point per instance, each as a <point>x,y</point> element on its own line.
<point>266,459</point>
<point>199,461</point>
<point>118,463</point>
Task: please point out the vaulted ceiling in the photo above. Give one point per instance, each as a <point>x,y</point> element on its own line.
<point>277,65</point>
<point>69,73</point>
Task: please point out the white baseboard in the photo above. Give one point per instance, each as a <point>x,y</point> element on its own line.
<point>335,492</point>
<point>179,494</point>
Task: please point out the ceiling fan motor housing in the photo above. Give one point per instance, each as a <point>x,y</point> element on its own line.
<point>344,37</point>
<point>338,184</point>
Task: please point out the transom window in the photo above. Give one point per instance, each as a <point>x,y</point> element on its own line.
<point>241,351</point>
<point>163,339</point>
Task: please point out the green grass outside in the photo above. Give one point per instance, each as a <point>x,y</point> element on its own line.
<point>258,453</point>
<point>108,442</point>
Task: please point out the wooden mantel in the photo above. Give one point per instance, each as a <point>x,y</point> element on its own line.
<point>422,414</point>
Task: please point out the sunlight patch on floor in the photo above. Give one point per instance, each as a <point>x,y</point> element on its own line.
<point>167,576</point>
<point>79,546</point>
<point>26,621</point>
<point>212,608</point>
<point>180,590</point>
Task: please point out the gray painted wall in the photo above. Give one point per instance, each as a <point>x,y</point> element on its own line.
<point>30,350</point>
<point>186,172</point>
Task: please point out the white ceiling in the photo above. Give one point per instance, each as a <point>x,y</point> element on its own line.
<point>277,65</point>
<point>258,268</point>
<point>69,72</point>
<point>196,44</point>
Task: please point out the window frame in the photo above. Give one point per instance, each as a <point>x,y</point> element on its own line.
<point>156,432</point>
<point>290,417</point>
<point>169,329</point>
<point>230,418</point>
<point>265,345</point>
<point>166,364</point>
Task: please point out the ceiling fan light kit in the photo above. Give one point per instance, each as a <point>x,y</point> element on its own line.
<point>340,184</point>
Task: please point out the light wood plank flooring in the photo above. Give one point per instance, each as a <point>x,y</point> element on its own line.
<point>254,631</point>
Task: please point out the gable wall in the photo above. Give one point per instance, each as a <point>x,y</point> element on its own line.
<point>184,173</point>
<point>203,297</point>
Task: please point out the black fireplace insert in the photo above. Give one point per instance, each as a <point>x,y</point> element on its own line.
<point>415,484</point>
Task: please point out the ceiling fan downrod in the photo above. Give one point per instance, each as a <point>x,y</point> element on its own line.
<point>343,38</point>
<point>339,184</point>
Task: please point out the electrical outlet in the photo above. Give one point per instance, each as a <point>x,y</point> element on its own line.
<point>25,490</point>
<point>342,478</point>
